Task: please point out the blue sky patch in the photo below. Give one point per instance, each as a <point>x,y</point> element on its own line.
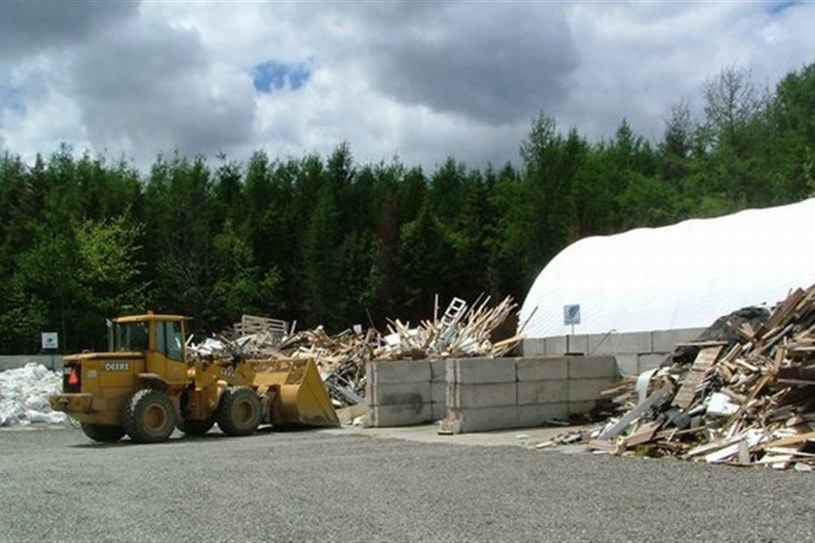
<point>11,98</point>
<point>779,7</point>
<point>271,76</point>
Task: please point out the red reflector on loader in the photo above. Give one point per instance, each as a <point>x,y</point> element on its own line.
<point>72,378</point>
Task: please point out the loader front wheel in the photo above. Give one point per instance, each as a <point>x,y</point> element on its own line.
<point>103,433</point>
<point>148,416</point>
<point>239,411</point>
<point>196,427</point>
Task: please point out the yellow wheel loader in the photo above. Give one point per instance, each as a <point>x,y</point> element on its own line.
<point>146,387</point>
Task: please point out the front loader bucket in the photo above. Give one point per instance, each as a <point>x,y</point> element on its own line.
<point>302,399</point>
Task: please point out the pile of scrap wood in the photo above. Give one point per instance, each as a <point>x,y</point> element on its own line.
<point>461,331</point>
<point>746,397</point>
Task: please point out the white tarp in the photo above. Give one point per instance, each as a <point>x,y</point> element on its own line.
<point>24,396</point>
<point>681,276</point>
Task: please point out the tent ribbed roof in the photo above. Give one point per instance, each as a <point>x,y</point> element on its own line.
<point>681,276</point>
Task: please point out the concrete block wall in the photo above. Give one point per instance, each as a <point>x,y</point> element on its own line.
<point>438,389</point>
<point>490,394</point>
<point>481,392</point>
<point>10,362</point>
<point>400,392</point>
<point>634,352</point>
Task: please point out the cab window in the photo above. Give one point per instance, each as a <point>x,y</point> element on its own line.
<point>131,336</point>
<point>169,340</point>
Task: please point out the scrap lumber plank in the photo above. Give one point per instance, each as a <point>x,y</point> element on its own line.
<point>792,440</point>
<point>601,445</point>
<point>750,397</point>
<point>643,435</point>
<point>714,446</point>
<point>724,453</point>
<point>642,408</point>
<point>704,361</point>
<point>700,344</point>
<point>784,310</point>
<point>776,459</point>
<point>619,388</point>
<point>744,454</point>
<point>795,382</point>
<point>787,450</point>
<point>673,432</point>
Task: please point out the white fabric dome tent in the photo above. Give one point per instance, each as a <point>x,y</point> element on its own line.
<point>681,276</point>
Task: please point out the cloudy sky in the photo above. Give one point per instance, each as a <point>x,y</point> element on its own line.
<point>417,80</point>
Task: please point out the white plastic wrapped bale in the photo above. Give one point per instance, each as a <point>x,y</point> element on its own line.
<point>681,276</point>
<point>24,396</point>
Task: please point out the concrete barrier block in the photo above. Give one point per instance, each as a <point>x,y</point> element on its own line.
<point>399,394</point>
<point>542,368</point>
<point>13,362</point>
<point>463,396</point>
<point>589,367</point>
<point>628,364</point>
<point>383,416</point>
<point>398,371</point>
<point>600,344</point>
<point>664,341</point>
<point>538,415</point>
<point>578,408</point>
<point>554,411</point>
<point>438,392</point>
<point>577,344</point>
<point>555,346</point>
<point>482,419</point>
<point>647,362</point>
<point>438,370</point>
<point>632,342</point>
<point>481,370</point>
<point>533,347</point>
<point>438,411</point>
<point>541,392</point>
<point>581,390</point>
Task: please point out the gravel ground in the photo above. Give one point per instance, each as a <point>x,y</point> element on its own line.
<point>327,486</point>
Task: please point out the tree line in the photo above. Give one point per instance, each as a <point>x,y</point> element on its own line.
<point>327,241</point>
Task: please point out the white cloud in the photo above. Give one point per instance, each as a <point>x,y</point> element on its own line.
<point>46,116</point>
<point>639,59</point>
<point>420,80</point>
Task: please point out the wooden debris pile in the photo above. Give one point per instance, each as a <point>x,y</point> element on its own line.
<point>461,331</point>
<point>747,398</point>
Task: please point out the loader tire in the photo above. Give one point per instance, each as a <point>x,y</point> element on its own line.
<point>148,416</point>
<point>103,433</point>
<point>239,411</point>
<point>196,427</point>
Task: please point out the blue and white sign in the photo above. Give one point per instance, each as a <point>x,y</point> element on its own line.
<point>571,314</point>
<point>50,340</point>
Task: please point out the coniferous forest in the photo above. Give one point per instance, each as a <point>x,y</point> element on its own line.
<point>325,240</point>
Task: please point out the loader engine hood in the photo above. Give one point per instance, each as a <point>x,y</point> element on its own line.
<point>88,368</point>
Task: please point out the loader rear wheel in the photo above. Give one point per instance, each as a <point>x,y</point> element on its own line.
<point>239,411</point>
<point>148,416</point>
<point>103,433</point>
<point>196,427</point>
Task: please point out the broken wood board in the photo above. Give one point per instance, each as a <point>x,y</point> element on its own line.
<point>637,412</point>
<point>643,435</point>
<point>704,361</point>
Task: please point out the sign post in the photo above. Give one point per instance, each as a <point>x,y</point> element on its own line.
<point>571,316</point>
<point>50,342</point>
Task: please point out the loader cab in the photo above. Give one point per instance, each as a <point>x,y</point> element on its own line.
<point>160,338</point>
<point>130,336</point>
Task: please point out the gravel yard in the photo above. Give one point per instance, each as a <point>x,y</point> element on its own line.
<point>319,485</point>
